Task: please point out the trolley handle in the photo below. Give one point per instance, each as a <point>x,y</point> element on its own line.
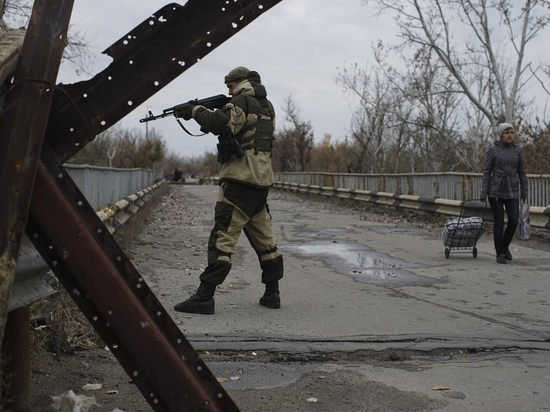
<point>473,200</point>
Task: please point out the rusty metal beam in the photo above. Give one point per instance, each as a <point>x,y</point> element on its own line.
<point>144,61</point>
<point>17,361</point>
<point>22,128</point>
<point>116,299</point>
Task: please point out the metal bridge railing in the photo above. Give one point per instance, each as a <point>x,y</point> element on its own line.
<point>115,194</point>
<point>103,186</point>
<point>432,193</point>
<point>451,186</point>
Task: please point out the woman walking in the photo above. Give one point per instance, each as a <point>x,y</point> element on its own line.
<point>504,182</point>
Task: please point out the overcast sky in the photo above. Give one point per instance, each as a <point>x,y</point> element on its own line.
<point>297,47</point>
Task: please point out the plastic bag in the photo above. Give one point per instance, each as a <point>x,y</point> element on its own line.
<point>524,225</point>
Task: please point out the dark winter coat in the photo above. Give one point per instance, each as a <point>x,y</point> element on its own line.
<point>504,175</point>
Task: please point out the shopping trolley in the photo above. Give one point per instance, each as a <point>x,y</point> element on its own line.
<point>463,232</point>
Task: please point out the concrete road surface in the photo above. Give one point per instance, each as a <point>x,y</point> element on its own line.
<point>373,316</point>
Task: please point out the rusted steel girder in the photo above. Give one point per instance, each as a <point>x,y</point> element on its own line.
<point>116,299</point>
<point>145,60</point>
<point>17,361</point>
<point>73,241</point>
<point>22,128</point>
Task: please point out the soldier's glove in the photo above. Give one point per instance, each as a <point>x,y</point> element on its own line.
<point>185,111</point>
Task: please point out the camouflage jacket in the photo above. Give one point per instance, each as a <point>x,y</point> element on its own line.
<point>250,117</point>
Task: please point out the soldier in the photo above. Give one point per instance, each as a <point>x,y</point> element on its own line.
<point>245,178</point>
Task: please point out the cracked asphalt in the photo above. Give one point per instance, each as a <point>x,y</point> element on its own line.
<point>373,316</point>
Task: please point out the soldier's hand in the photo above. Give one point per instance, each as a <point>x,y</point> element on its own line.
<point>185,111</point>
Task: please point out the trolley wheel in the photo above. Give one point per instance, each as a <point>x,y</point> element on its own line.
<point>474,252</point>
<point>447,252</point>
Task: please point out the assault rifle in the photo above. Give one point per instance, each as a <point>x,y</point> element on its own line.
<point>227,146</point>
<point>212,102</point>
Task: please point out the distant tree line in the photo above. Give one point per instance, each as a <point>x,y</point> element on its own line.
<point>124,148</point>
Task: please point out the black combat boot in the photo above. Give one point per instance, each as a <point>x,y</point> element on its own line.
<point>271,297</point>
<point>201,302</point>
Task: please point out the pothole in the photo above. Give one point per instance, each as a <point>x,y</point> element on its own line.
<point>363,263</point>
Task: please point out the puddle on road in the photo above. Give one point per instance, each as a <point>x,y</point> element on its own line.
<point>364,264</point>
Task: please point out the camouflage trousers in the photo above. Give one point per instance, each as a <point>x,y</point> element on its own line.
<point>242,208</point>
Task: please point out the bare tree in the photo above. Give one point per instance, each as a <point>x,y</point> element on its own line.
<point>298,138</point>
<point>16,13</point>
<point>433,119</point>
<point>372,121</point>
<point>138,150</point>
<point>407,111</point>
<point>438,24</point>
<point>284,151</point>
<point>130,148</point>
<point>97,152</point>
